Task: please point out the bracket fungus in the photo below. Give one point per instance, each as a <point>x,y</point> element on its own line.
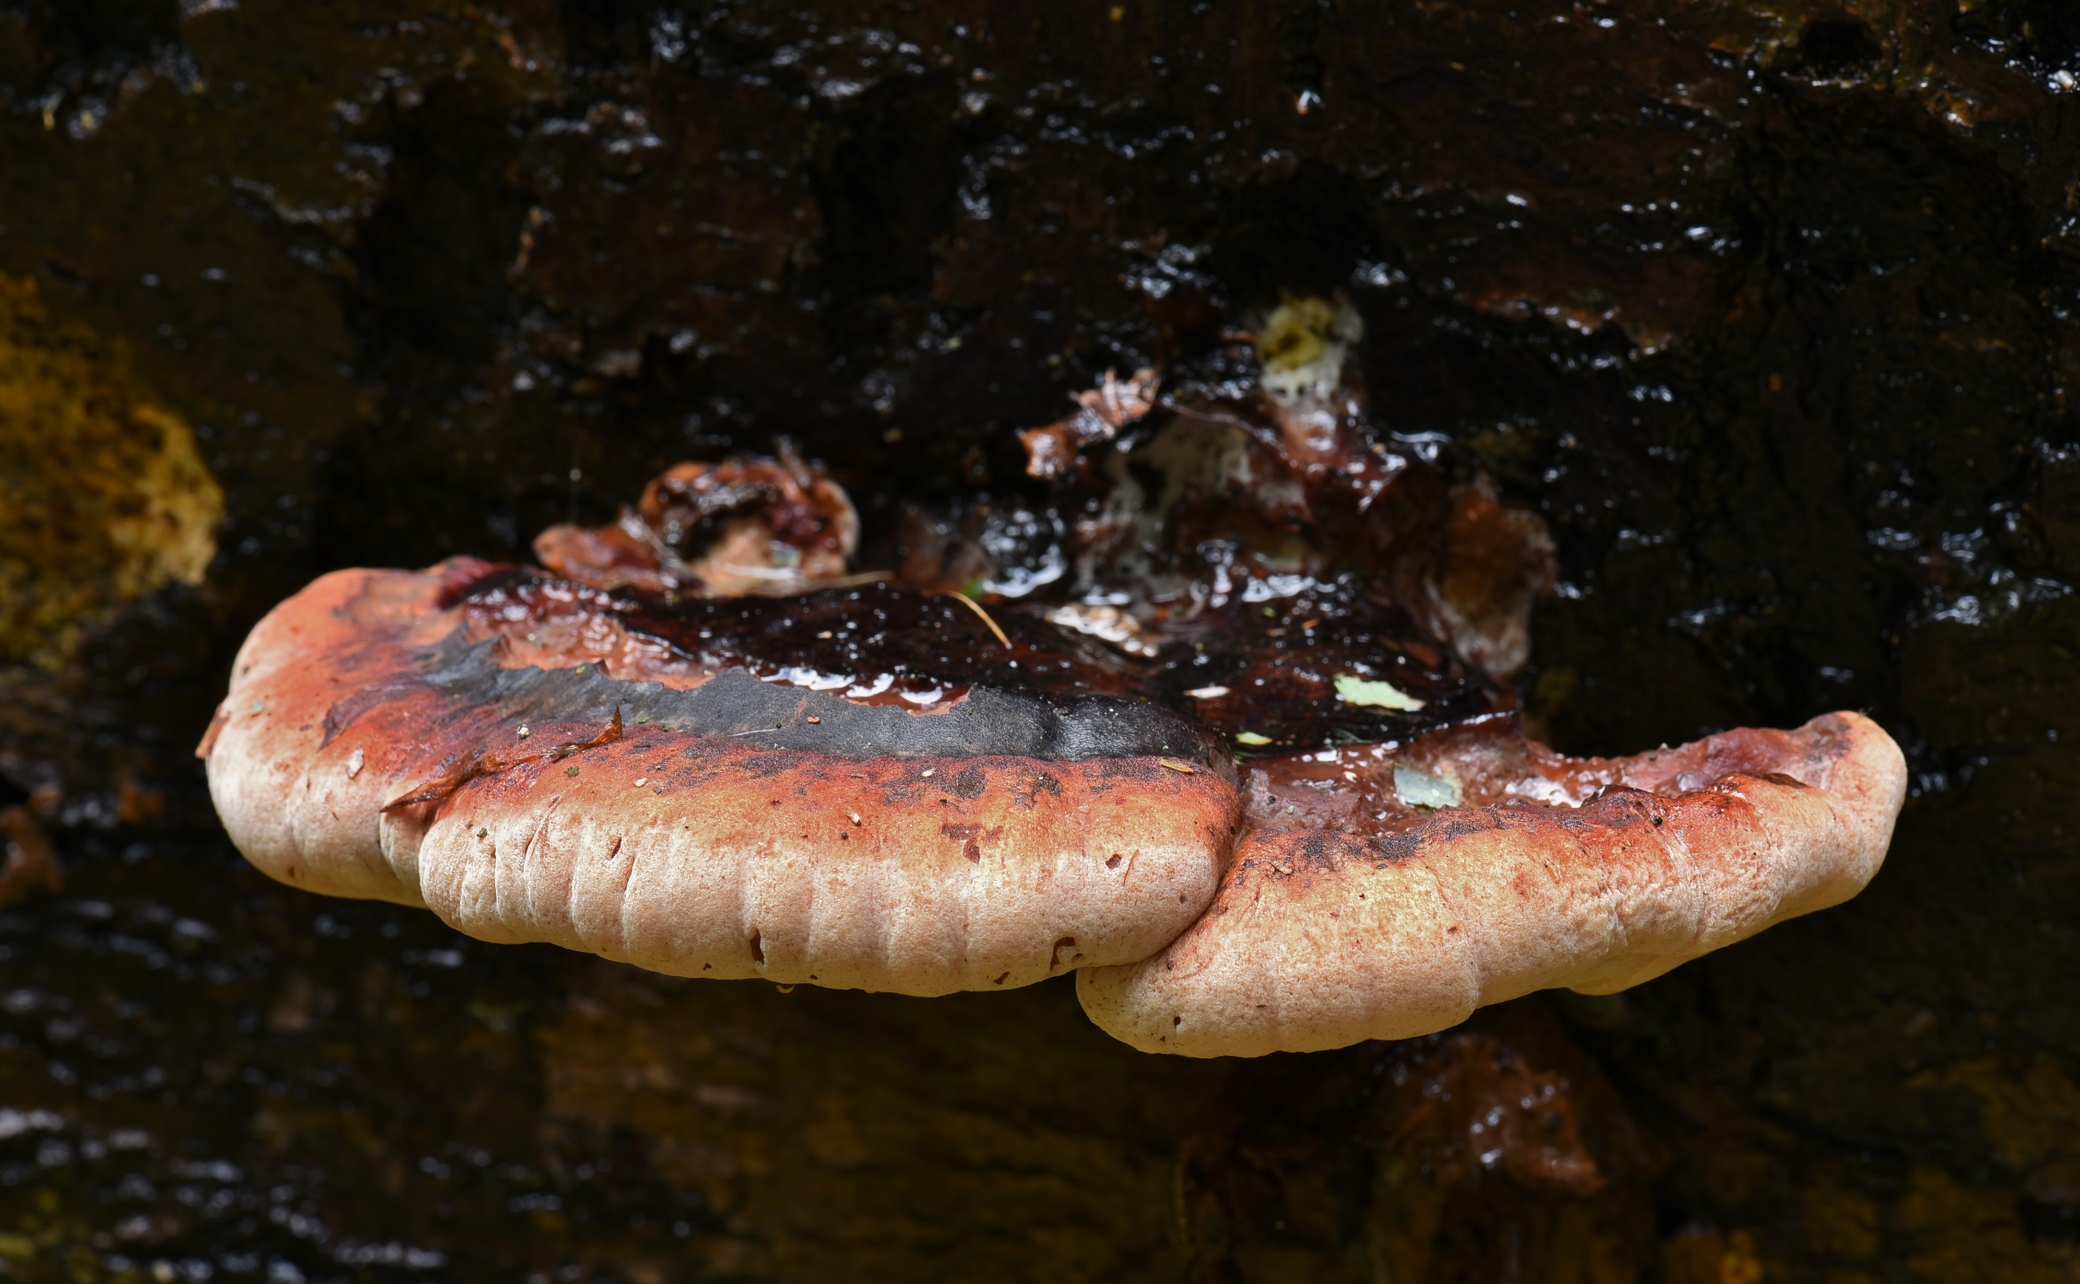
<point>1233,736</point>
<point>539,760</point>
<point>1366,903</point>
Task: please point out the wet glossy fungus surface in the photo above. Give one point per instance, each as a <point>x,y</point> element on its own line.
<point>1263,666</point>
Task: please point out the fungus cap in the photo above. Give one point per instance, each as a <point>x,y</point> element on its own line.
<point>372,746</point>
<point>1323,935</point>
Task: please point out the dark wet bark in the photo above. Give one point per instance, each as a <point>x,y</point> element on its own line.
<point>1768,309</point>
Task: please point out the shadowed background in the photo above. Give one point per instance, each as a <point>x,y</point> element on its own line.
<point>1766,305</point>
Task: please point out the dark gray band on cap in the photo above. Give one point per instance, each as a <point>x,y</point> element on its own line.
<point>733,703</point>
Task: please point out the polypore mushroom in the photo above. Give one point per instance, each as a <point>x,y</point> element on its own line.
<point>699,744</point>
<point>537,761</point>
<point>1380,894</point>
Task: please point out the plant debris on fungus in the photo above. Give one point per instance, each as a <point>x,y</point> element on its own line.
<point>1254,768</point>
<point>742,526</point>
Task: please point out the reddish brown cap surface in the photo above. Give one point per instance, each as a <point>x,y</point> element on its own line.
<point>1328,931</point>
<point>419,738</point>
<point>710,824</point>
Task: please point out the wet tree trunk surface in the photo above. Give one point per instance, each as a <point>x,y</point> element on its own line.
<point>1767,306</point>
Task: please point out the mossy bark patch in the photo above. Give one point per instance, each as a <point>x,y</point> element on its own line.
<point>105,495</point>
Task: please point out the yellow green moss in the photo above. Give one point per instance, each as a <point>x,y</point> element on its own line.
<point>105,495</point>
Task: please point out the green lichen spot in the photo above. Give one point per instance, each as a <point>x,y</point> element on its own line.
<point>1420,789</point>
<point>1374,695</point>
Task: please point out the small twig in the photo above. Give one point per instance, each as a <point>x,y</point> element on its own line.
<point>1203,416</point>
<point>983,615</point>
<point>858,579</point>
